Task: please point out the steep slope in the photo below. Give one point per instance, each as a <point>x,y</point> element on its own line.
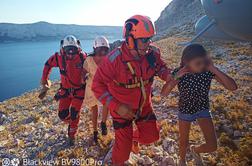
<point>179,16</point>
<point>30,128</point>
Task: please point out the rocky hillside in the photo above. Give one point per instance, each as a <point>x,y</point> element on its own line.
<point>46,31</point>
<point>179,17</point>
<point>30,128</point>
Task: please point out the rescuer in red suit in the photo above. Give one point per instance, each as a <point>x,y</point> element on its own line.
<point>123,83</point>
<point>69,60</point>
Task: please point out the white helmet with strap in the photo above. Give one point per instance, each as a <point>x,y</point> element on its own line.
<point>101,41</point>
<point>70,40</point>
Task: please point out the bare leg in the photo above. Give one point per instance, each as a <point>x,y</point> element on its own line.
<point>184,130</point>
<point>104,119</point>
<point>94,110</point>
<point>104,114</point>
<point>207,127</point>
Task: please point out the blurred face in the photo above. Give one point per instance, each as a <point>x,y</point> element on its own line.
<point>143,45</point>
<point>198,65</point>
<point>70,51</point>
<point>100,53</point>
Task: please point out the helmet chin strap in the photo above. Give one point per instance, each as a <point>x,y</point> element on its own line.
<point>137,49</point>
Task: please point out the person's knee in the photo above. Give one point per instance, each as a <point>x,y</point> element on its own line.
<point>63,114</point>
<point>74,113</point>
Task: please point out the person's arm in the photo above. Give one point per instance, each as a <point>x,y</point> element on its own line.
<point>167,88</point>
<point>223,78</point>
<point>163,72</point>
<point>104,75</point>
<point>170,85</point>
<point>85,71</point>
<point>85,64</point>
<point>50,63</point>
<point>45,82</point>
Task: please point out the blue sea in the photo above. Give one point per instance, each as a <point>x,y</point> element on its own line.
<point>21,65</point>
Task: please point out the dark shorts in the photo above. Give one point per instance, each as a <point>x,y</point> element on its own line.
<point>195,116</point>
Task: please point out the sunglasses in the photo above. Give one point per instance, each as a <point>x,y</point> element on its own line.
<point>145,40</point>
<point>70,50</point>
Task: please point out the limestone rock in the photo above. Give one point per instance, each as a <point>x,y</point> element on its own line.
<point>237,133</point>
<point>228,129</point>
<point>168,160</point>
<point>147,160</point>
<point>4,119</point>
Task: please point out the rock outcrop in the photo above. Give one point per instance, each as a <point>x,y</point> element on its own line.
<point>115,44</point>
<point>179,17</point>
<point>30,128</point>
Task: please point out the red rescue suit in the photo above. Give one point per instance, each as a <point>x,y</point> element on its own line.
<point>118,80</point>
<point>72,90</point>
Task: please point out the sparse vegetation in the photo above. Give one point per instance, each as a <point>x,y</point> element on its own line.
<point>31,129</point>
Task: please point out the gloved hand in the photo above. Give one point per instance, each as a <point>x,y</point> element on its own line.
<point>126,112</point>
<point>45,87</point>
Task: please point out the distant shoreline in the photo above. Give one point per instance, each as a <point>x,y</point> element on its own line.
<point>54,82</point>
<point>44,31</point>
<point>44,40</point>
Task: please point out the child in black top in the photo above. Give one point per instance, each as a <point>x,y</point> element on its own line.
<point>193,78</point>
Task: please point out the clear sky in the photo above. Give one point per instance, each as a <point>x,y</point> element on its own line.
<point>83,12</point>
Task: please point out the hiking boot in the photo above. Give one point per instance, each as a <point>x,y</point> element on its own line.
<point>196,156</point>
<point>71,141</point>
<point>135,147</point>
<point>104,128</point>
<point>96,136</point>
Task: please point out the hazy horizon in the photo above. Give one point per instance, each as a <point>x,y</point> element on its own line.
<point>59,24</point>
<point>79,12</point>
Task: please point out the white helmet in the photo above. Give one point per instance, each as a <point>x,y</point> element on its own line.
<point>70,40</point>
<point>101,41</point>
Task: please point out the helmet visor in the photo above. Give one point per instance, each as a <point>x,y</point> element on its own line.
<point>70,50</point>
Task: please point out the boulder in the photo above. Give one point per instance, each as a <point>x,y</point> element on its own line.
<point>168,160</point>
<point>237,133</point>
<point>167,143</point>
<point>147,160</point>
<point>4,119</point>
<point>27,120</point>
<point>228,129</point>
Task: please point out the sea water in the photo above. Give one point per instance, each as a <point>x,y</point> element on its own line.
<point>21,65</point>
